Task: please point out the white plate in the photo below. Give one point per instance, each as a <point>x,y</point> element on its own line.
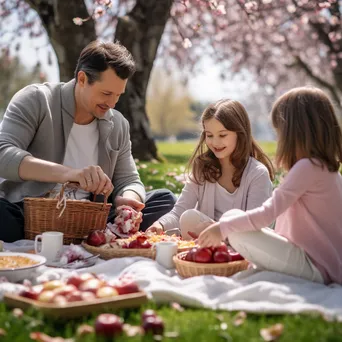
<point>18,274</point>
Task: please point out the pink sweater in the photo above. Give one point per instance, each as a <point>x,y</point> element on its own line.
<point>308,209</point>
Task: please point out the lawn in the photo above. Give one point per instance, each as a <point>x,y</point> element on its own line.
<point>190,324</point>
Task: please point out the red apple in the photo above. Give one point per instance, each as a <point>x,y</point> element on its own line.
<point>53,284</point>
<point>145,244</point>
<point>96,238</point>
<point>190,255</point>
<point>29,293</point>
<point>203,255</point>
<point>79,279</point>
<point>106,291</point>
<point>91,285</point>
<point>108,325</point>
<point>88,296</point>
<point>60,300</point>
<point>65,289</point>
<point>148,313</point>
<point>141,239</point>
<point>222,248</point>
<point>126,286</point>
<point>235,256</point>
<point>75,280</point>
<point>74,296</point>
<point>46,296</point>
<point>154,325</point>
<point>133,244</point>
<point>221,256</point>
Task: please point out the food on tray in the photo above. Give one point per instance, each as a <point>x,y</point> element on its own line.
<point>96,238</point>
<point>81,287</point>
<point>127,220</point>
<point>219,254</point>
<point>141,240</point>
<point>16,261</point>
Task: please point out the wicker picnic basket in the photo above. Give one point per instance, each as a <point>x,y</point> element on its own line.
<point>187,269</point>
<point>110,253</point>
<point>74,218</point>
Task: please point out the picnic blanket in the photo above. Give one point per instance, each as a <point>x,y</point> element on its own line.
<point>250,290</point>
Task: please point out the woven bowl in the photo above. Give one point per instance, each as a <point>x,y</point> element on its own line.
<point>187,269</point>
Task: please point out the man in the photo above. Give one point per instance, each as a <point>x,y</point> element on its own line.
<point>55,133</point>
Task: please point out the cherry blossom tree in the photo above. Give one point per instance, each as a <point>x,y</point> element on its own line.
<point>284,43</point>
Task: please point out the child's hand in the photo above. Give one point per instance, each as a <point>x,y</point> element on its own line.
<point>210,236</point>
<point>155,228</point>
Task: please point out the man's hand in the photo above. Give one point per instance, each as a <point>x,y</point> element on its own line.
<point>211,236</point>
<point>156,227</point>
<point>131,202</point>
<point>91,178</point>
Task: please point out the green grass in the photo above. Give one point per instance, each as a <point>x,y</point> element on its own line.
<point>192,324</point>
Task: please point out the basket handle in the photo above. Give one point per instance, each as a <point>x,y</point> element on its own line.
<point>77,185</point>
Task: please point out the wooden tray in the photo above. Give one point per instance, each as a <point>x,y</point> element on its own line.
<point>77,309</point>
<point>110,253</point>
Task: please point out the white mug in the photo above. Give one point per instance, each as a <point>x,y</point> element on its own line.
<point>51,244</point>
<point>165,252</point>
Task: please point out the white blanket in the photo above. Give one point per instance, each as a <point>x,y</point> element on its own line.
<point>258,292</point>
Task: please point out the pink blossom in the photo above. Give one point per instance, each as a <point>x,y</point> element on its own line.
<point>78,21</point>
<point>187,43</point>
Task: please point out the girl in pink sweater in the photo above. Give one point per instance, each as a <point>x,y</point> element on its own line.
<point>307,206</point>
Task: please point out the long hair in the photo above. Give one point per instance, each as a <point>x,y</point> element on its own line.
<point>205,166</point>
<point>307,127</point>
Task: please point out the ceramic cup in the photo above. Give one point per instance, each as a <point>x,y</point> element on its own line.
<point>51,244</point>
<point>165,251</point>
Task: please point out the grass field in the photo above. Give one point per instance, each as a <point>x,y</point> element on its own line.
<point>191,324</point>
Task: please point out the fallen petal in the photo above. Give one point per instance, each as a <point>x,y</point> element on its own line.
<point>272,333</point>
<point>239,318</point>
<point>177,307</point>
<point>133,330</point>
<point>84,329</point>
<point>17,313</point>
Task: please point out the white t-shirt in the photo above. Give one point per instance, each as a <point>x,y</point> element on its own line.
<point>82,150</point>
<point>224,200</point>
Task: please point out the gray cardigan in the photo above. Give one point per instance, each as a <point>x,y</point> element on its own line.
<point>37,123</point>
<point>255,188</point>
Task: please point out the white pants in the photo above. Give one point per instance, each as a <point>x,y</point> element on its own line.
<point>268,250</point>
<point>194,221</point>
<point>265,249</point>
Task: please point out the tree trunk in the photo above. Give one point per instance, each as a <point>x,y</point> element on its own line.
<point>66,38</point>
<point>141,31</point>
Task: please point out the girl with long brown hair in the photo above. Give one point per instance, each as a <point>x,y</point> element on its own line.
<point>227,170</point>
<point>307,206</point>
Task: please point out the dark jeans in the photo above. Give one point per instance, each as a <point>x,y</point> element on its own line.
<point>158,202</point>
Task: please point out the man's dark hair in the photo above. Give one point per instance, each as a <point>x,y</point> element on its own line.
<point>98,56</point>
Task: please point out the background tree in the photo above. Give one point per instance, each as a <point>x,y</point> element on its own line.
<point>280,41</point>
<point>70,25</point>
<point>169,106</point>
<point>19,76</point>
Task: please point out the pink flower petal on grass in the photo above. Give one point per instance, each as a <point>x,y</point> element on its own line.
<point>272,333</point>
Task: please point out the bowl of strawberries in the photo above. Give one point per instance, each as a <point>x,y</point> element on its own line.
<point>220,261</point>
